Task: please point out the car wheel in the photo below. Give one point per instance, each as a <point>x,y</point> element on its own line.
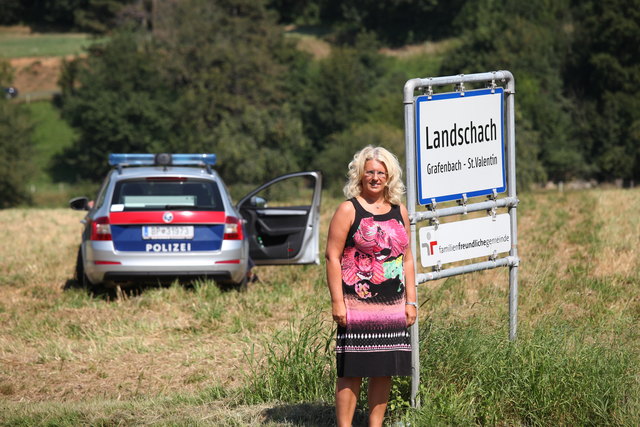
<point>243,285</point>
<point>81,277</point>
<point>240,286</point>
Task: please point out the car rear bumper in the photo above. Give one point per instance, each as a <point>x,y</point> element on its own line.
<point>103,263</point>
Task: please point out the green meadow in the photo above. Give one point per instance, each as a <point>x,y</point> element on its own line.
<point>21,44</point>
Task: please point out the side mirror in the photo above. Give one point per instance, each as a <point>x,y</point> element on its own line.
<point>258,202</point>
<point>79,204</point>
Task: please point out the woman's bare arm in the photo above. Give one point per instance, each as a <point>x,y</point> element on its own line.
<point>338,229</point>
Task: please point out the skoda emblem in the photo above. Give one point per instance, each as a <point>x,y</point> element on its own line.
<point>167,217</point>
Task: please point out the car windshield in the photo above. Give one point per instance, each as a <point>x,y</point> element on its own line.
<point>166,193</point>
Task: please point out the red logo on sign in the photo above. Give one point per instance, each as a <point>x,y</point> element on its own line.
<point>431,245</point>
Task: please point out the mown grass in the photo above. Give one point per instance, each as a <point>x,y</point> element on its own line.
<point>21,44</point>
<point>51,136</point>
<point>199,355</point>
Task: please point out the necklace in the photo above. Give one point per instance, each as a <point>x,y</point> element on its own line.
<point>375,205</point>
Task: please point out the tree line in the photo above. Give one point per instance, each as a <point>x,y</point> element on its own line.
<point>222,76</point>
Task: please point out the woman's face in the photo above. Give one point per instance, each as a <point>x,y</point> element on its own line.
<point>374,178</point>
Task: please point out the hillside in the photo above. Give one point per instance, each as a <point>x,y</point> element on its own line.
<point>37,76</point>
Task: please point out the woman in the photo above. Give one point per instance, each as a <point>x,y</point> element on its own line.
<point>371,279</point>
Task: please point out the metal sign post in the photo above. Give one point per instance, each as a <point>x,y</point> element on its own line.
<point>460,145</point>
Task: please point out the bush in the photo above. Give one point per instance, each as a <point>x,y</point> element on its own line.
<point>333,161</point>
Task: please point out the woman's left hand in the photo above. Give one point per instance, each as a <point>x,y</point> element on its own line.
<point>411,312</point>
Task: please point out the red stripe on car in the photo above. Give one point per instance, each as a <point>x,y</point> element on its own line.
<point>156,217</point>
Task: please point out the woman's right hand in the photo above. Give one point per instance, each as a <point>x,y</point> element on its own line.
<point>339,313</point>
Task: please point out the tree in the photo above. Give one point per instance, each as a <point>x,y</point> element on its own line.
<point>532,40</point>
<point>259,144</point>
<point>341,147</point>
<point>397,22</point>
<point>16,148</point>
<point>100,16</point>
<point>604,73</point>
<point>394,22</point>
<point>210,77</point>
<point>51,13</point>
<point>121,104</point>
<point>338,93</point>
<point>231,62</point>
<point>96,16</point>
<point>223,56</point>
<point>11,12</point>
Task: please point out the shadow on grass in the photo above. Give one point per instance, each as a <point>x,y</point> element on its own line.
<point>131,290</point>
<point>309,414</point>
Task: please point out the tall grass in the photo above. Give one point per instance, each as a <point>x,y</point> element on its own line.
<point>552,375</point>
<point>298,364</point>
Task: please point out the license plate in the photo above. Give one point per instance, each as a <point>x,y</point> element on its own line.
<point>167,232</point>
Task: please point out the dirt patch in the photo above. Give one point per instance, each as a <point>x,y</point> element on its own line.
<point>319,49</point>
<point>15,29</point>
<point>37,74</point>
<point>426,48</point>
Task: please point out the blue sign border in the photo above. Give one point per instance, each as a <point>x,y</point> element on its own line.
<point>450,95</point>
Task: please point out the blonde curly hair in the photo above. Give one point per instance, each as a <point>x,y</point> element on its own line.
<point>394,188</point>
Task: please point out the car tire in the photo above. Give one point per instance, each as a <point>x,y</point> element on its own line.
<point>243,285</point>
<point>81,277</point>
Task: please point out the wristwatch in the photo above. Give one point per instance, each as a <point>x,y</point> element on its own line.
<point>415,304</point>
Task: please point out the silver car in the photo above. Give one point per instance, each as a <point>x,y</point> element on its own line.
<point>169,216</point>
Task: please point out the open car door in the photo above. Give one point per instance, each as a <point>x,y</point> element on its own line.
<point>283,220</point>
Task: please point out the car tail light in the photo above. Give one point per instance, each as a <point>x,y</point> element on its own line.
<point>100,229</point>
<point>233,229</point>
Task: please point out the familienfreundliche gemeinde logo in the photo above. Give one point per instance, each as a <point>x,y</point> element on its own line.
<point>460,144</point>
<point>466,239</point>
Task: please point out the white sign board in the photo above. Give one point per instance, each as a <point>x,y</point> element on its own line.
<point>460,145</point>
<point>457,241</point>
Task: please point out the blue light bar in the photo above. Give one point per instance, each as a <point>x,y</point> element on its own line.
<point>131,159</point>
<point>140,159</point>
<point>193,159</point>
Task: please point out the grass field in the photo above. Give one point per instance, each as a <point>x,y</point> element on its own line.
<point>197,355</point>
<point>51,136</point>
<point>19,43</point>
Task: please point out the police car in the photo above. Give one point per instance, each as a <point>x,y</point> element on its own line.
<point>169,216</point>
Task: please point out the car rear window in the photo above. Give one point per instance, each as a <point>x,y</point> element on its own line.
<point>162,193</point>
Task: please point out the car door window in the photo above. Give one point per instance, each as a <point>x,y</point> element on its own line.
<point>291,192</point>
<point>282,219</point>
